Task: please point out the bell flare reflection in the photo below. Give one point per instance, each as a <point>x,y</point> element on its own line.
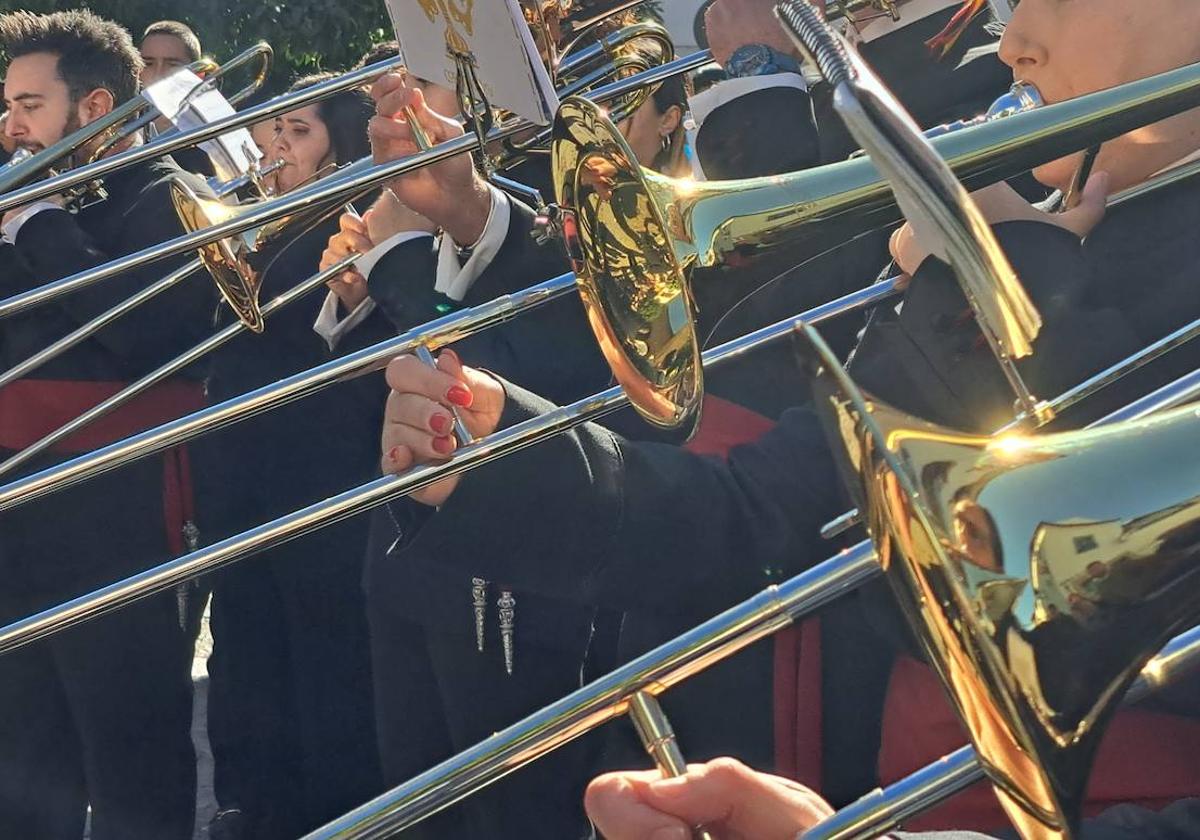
<point>1041,574</point>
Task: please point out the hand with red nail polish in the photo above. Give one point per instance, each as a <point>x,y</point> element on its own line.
<point>418,423</point>
<point>724,795</point>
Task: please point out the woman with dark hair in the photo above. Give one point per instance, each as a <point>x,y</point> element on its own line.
<point>290,716</point>
<point>655,132</point>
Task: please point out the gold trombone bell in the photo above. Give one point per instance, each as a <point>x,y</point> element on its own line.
<point>1041,573</point>
<point>237,263</point>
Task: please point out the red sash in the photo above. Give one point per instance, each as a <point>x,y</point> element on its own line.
<point>30,409</point>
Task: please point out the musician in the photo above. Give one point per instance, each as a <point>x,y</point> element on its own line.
<point>168,46</point>
<point>429,676</point>
<point>938,59</point>
<point>736,118</point>
<point>101,715</point>
<point>290,716</point>
<point>605,503</point>
<point>735,801</point>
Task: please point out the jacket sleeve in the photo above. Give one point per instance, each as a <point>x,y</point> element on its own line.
<point>54,246</point>
<point>631,525</point>
<point>933,361</point>
<point>550,350</point>
<point>401,283</point>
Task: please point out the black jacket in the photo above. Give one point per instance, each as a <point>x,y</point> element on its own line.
<point>300,453</point>
<point>550,348</point>
<point>54,244</point>
<point>611,506</point>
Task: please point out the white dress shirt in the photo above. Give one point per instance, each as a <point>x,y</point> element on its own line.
<point>332,328</point>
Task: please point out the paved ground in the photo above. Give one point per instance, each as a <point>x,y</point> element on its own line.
<point>206,806</point>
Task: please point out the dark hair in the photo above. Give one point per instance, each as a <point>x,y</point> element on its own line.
<point>707,76</point>
<point>378,52</point>
<point>345,115</point>
<point>92,52</point>
<point>673,91</point>
<point>175,29</point>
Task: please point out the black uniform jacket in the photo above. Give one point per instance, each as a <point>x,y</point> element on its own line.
<point>54,244</point>
<point>641,522</point>
<point>300,453</point>
<point>552,348</point>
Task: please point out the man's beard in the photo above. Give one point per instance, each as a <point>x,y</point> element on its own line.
<point>71,125</point>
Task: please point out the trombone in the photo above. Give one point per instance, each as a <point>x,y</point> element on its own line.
<point>353,180</point>
<point>119,125</point>
<point>228,260</point>
<point>838,200</point>
<point>878,431</point>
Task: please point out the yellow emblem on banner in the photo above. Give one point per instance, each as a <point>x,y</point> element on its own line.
<point>460,12</point>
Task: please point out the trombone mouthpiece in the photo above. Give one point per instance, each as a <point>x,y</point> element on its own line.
<point>813,36</point>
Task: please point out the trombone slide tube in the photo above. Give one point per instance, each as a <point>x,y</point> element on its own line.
<point>655,672</point>
<point>1183,390</point>
<point>99,322</point>
<point>887,809</point>
<point>172,367</point>
<point>173,141</point>
<point>435,334</point>
<point>381,490</point>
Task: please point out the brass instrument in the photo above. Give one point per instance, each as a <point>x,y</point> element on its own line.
<point>1036,619</point>
<point>639,235</point>
<point>836,199</point>
<point>725,634</point>
<point>236,262</point>
<point>961,588</point>
<point>351,181</point>
<point>121,124</point>
<point>221,190</point>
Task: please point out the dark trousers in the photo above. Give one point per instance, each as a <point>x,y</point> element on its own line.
<point>101,713</point>
<point>476,698</point>
<point>290,713</point>
<point>436,695</point>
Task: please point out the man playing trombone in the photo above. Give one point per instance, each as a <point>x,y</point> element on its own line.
<point>100,717</point>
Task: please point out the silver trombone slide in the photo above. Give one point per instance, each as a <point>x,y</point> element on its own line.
<point>15,176</point>
<point>176,140</point>
<point>656,672</point>
<point>1081,121</point>
<point>174,366</point>
<point>528,433</point>
<point>354,179</point>
<point>887,809</point>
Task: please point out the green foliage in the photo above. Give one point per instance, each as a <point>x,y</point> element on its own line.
<point>307,35</point>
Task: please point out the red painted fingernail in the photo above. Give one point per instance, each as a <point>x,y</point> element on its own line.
<point>443,445</point>
<point>440,423</point>
<point>459,395</point>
